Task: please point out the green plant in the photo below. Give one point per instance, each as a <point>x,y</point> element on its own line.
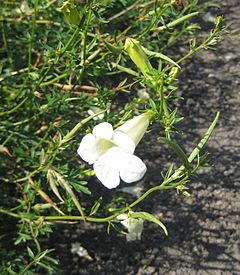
<point>54,73</point>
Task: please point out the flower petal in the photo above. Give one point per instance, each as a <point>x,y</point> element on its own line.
<point>124,219</point>
<point>103,130</point>
<point>124,141</point>
<point>87,149</point>
<point>91,113</point>
<point>135,228</point>
<point>133,169</point>
<point>108,165</point>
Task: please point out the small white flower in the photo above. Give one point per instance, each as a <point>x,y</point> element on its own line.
<point>143,94</point>
<point>134,226</point>
<point>111,151</point>
<point>78,249</point>
<point>95,110</point>
<point>135,190</point>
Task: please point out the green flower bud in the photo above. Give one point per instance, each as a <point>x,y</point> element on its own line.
<point>219,22</point>
<point>70,12</point>
<point>138,56</point>
<point>174,73</point>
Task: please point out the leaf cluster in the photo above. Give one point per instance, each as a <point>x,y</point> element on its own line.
<point>52,73</point>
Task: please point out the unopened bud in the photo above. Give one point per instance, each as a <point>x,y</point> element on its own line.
<point>70,12</point>
<point>138,56</point>
<point>42,206</point>
<point>219,22</point>
<point>174,73</point>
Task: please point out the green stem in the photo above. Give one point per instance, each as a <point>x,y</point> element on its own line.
<point>149,191</point>
<point>161,100</point>
<point>15,108</point>
<point>32,34</point>
<point>27,268</point>
<point>5,45</point>
<point>84,47</point>
<point>22,21</point>
<point>98,220</point>
<point>3,211</point>
<point>34,237</point>
<point>163,186</point>
<point>53,80</point>
<point>203,45</point>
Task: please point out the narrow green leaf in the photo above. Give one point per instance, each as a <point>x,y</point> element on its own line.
<point>204,140</point>
<point>198,148</point>
<point>149,217</point>
<point>176,22</point>
<point>73,196</point>
<point>124,69</point>
<point>180,153</point>
<point>30,253</point>
<point>109,228</point>
<point>47,267</point>
<point>96,206</point>
<point>81,188</point>
<point>53,184</point>
<point>44,253</point>
<point>161,56</point>
<point>69,190</point>
<point>168,173</point>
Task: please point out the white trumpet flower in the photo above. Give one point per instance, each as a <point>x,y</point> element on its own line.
<point>111,151</point>
<point>133,225</point>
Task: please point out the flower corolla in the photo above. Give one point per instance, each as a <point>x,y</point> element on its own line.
<point>111,151</point>
<point>133,225</point>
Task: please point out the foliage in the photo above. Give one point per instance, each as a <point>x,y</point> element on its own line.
<point>54,70</point>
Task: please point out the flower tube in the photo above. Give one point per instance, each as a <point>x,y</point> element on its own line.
<point>112,151</point>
